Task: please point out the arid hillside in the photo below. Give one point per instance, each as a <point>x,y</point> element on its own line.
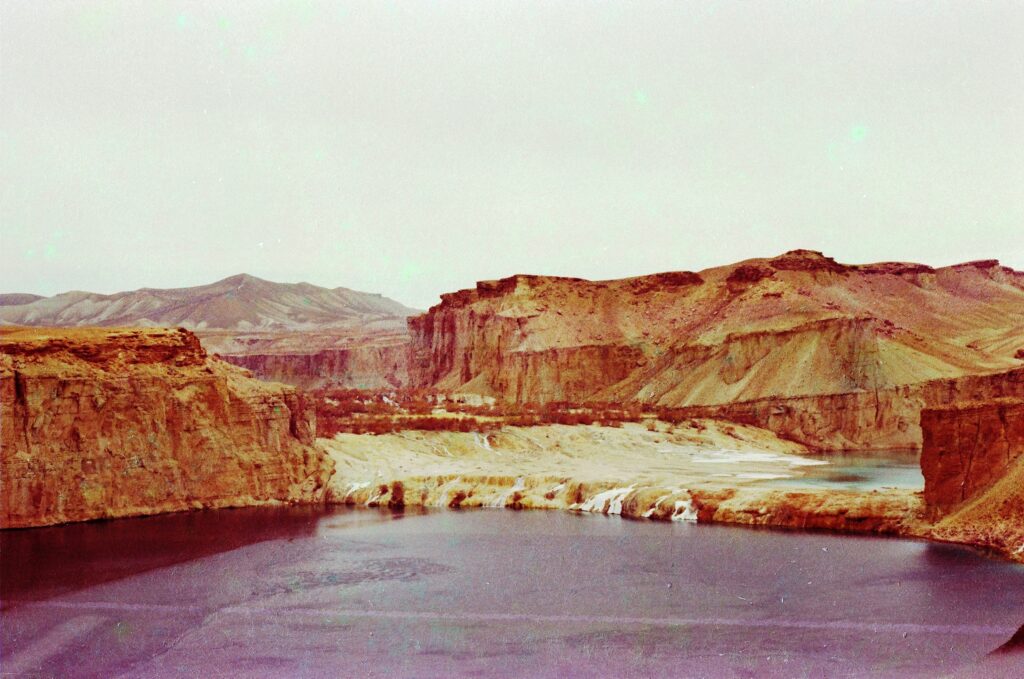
<point>99,423</point>
<point>296,333</point>
<point>238,303</point>
<point>794,325</point>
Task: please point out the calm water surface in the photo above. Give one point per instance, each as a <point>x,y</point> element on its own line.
<point>869,470</point>
<point>354,593</point>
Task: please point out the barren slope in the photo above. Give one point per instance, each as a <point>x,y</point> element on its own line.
<point>798,324</point>
<point>239,303</point>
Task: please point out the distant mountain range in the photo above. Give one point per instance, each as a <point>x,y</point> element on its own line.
<point>241,303</point>
<point>16,298</point>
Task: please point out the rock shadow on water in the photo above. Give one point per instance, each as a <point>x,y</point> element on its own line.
<point>41,563</point>
<point>1013,646</point>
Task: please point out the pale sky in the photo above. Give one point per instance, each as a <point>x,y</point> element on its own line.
<point>414,148</point>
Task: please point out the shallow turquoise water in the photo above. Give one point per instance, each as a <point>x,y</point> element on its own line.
<point>859,471</point>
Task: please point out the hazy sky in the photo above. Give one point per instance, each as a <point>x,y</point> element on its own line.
<point>413,148</point>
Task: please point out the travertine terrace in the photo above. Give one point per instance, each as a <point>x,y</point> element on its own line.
<point>704,471</point>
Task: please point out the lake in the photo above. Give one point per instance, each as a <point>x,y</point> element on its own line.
<point>867,470</point>
<point>300,592</point>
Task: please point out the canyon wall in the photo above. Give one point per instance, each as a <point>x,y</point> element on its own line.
<point>973,465</point>
<point>863,420</point>
<point>969,447</point>
<point>108,423</point>
<point>369,366</point>
<point>834,356</point>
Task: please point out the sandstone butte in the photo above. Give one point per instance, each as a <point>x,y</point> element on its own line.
<point>98,423</point>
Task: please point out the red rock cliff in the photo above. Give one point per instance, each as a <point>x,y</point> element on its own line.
<point>864,420</point>
<point>968,448</point>
<point>973,464</point>
<point>104,423</point>
<point>360,367</point>
<point>773,334</point>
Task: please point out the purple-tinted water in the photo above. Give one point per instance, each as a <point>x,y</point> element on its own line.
<point>300,592</point>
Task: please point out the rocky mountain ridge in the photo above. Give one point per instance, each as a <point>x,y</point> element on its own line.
<point>238,303</point>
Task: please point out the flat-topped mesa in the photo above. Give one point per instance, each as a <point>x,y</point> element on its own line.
<point>525,284</point>
<point>100,423</point>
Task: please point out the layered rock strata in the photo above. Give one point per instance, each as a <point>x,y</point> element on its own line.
<point>973,465</point>
<point>368,366</point>
<point>837,356</point>
<point>107,423</point>
<point>864,420</point>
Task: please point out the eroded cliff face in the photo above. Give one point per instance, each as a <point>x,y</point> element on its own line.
<point>732,333</point>
<point>864,420</point>
<point>973,465</point>
<point>107,423</point>
<point>968,448</point>
<point>838,356</point>
<point>360,367</point>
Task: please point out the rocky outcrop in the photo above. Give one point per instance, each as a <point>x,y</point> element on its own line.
<point>973,465</point>
<point>369,366</point>
<point>968,448</point>
<point>107,423</point>
<point>810,347</point>
<point>863,420</point>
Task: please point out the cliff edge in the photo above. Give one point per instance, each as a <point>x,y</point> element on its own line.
<point>973,465</point>
<point>102,423</point>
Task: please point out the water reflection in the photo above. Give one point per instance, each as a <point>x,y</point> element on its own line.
<point>45,562</point>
